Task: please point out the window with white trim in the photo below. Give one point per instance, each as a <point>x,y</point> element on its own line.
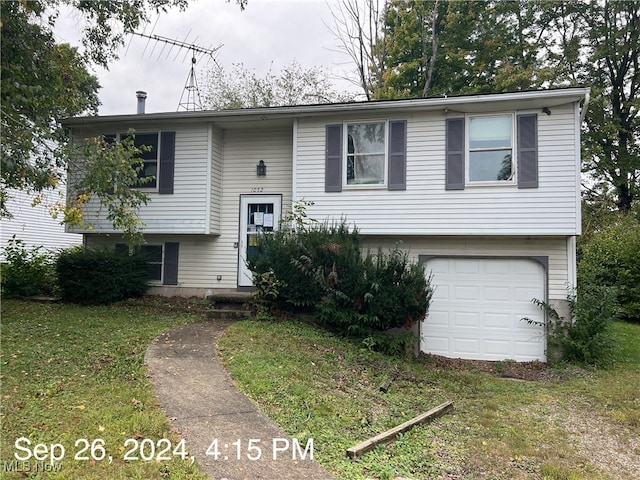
<point>365,152</point>
<point>490,149</point>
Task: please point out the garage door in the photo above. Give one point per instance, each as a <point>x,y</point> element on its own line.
<point>477,308</point>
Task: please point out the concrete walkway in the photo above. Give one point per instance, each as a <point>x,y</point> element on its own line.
<point>205,406</point>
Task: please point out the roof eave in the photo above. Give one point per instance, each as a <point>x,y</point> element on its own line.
<point>547,97</point>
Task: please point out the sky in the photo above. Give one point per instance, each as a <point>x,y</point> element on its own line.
<point>268,34</point>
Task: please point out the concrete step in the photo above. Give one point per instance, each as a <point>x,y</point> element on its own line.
<point>227,314</point>
<point>235,306</point>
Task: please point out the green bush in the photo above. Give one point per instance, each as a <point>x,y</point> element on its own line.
<point>322,269</point>
<point>383,291</point>
<point>94,277</point>
<point>27,271</point>
<point>303,261</point>
<point>586,337</point>
<point>611,259</point>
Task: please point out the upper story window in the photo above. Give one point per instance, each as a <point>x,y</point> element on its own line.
<point>499,149</point>
<point>158,162</point>
<point>365,153</point>
<point>490,149</point>
<point>359,154</point>
<point>149,173</point>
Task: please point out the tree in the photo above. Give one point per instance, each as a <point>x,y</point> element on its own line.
<point>243,88</point>
<point>610,36</point>
<point>438,47</point>
<point>449,47</point>
<point>357,27</point>
<point>43,82</point>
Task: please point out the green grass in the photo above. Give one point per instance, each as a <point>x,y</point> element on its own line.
<point>71,373</point>
<point>315,385</point>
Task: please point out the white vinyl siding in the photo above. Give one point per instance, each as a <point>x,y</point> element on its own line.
<point>216,180</point>
<point>555,248</point>
<point>34,225</point>
<point>243,149</point>
<point>182,212</point>
<point>426,208</point>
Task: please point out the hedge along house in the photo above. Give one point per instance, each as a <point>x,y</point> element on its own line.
<point>485,189</point>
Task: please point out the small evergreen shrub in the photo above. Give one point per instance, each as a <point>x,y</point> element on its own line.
<point>95,277</point>
<point>611,258</point>
<point>27,271</point>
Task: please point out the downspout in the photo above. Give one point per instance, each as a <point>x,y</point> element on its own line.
<point>572,263</point>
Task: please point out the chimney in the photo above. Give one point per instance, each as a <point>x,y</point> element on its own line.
<point>142,96</point>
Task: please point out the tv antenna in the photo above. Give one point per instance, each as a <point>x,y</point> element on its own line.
<point>193,101</point>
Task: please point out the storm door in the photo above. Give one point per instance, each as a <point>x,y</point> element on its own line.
<point>259,214</point>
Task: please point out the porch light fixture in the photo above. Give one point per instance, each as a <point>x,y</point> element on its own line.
<point>261,169</point>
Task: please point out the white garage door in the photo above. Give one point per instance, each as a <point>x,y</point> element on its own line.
<point>477,309</point>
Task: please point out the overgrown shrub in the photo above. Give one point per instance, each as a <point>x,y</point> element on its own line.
<point>586,337</point>
<point>101,277</point>
<point>321,268</point>
<point>27,271</point>
<point>611,258</point>
<point>387,291</point>
<point>303,261</point>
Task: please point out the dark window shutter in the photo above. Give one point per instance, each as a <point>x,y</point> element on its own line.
<point>167,161</point>
<point>110,138</point>
<point>398,155</point>
<point>333,159</point>
<point>454,156</point>
<point>122,248</point>
<point>171,263</point>
<point>528,151</point>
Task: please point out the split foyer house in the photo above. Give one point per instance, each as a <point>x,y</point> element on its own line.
<point>485,189</point>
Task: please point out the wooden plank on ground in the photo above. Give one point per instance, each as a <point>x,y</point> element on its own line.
<point>389,435</point>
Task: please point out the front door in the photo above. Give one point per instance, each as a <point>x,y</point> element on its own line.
<point>258,214</point>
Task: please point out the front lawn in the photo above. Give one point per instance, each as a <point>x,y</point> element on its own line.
<point>71,373</point>
<point>572,424</point>
<point>74,376</point>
